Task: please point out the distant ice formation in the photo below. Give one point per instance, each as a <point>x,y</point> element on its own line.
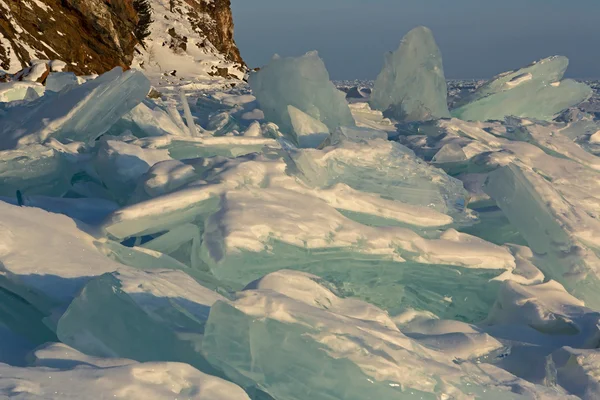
<point>279,241</point>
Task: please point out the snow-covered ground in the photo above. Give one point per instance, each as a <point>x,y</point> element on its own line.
<point>183,245</point>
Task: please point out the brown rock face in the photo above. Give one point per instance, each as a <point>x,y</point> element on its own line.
<point>94,36</point>
<point>220,34</point>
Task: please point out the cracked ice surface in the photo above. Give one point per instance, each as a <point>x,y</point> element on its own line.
<point>284,244</point>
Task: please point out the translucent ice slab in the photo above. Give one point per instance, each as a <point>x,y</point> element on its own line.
<point>58,81</point>
<point>34,169</point>
<point>303,83</point>
<point>308,132</point>
<point>81,113</point>
<point>576,370</point>
<point>13,91</point>
<point>388,169</point>
<point>293,337</point>
<point>23,310</point>
<point>535,91</point>
<point>149,120</point>
<point>553,228</point>
<point>181,148</point>
<point>412,86</point>
<point>154,315</point>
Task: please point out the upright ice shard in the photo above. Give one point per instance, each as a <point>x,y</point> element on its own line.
<point>192,131</point>
<point>303,83</point>
<point>412,86</point>
<point>80,113</point>
<point>535,91</point>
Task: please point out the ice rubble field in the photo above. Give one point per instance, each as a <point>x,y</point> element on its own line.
<point>279,241</point>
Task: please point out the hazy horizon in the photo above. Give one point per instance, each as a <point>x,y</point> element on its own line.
<point>477,39</point>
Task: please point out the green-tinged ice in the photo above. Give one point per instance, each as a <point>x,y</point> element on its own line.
<point>535,91</point>
<point>526,199</point>
<point>23,311</point>
<point>57,81</point>
<point>144,318</point>
<point>288,334</point>
<point>180,254</point>
<point>181,149</point>
<point>34,169</point>
<point>412,86</point>
<point>15,91</point>
<point>79,113</point>
<point>307,131</point>
<point>303,83</point>
<point>387,168</point>
<point>285,362</point>
<point>120,165</point>
<point>447,291</point>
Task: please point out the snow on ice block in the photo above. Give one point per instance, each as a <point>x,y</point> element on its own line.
<point>305,361</point>
<point>535,91</point>
<point>411,85</point>
<point>13,91</point>
<point>554,229</point>
<point>127,313</point>
<point>164,177</point>
<point>387,168</point>
<point>295,338</point>
<point>546,307</point>
<point>121,165</point>
<point>59,371</point>
<point>303,83</point>
<point>65,256</point>
<point>81,113</point>
<point>57,65</point>
<point>144,121</point>
<point>577,371</point>
<point>250,235</point>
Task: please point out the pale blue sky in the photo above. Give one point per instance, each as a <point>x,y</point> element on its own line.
<point>478,38</point>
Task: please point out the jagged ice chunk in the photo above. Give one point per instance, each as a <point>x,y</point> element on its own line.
<point>303,83</point>
<point>535,91</point>
<point>412,86</point>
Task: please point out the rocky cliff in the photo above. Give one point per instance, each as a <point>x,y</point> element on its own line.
<point>93,36</point>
